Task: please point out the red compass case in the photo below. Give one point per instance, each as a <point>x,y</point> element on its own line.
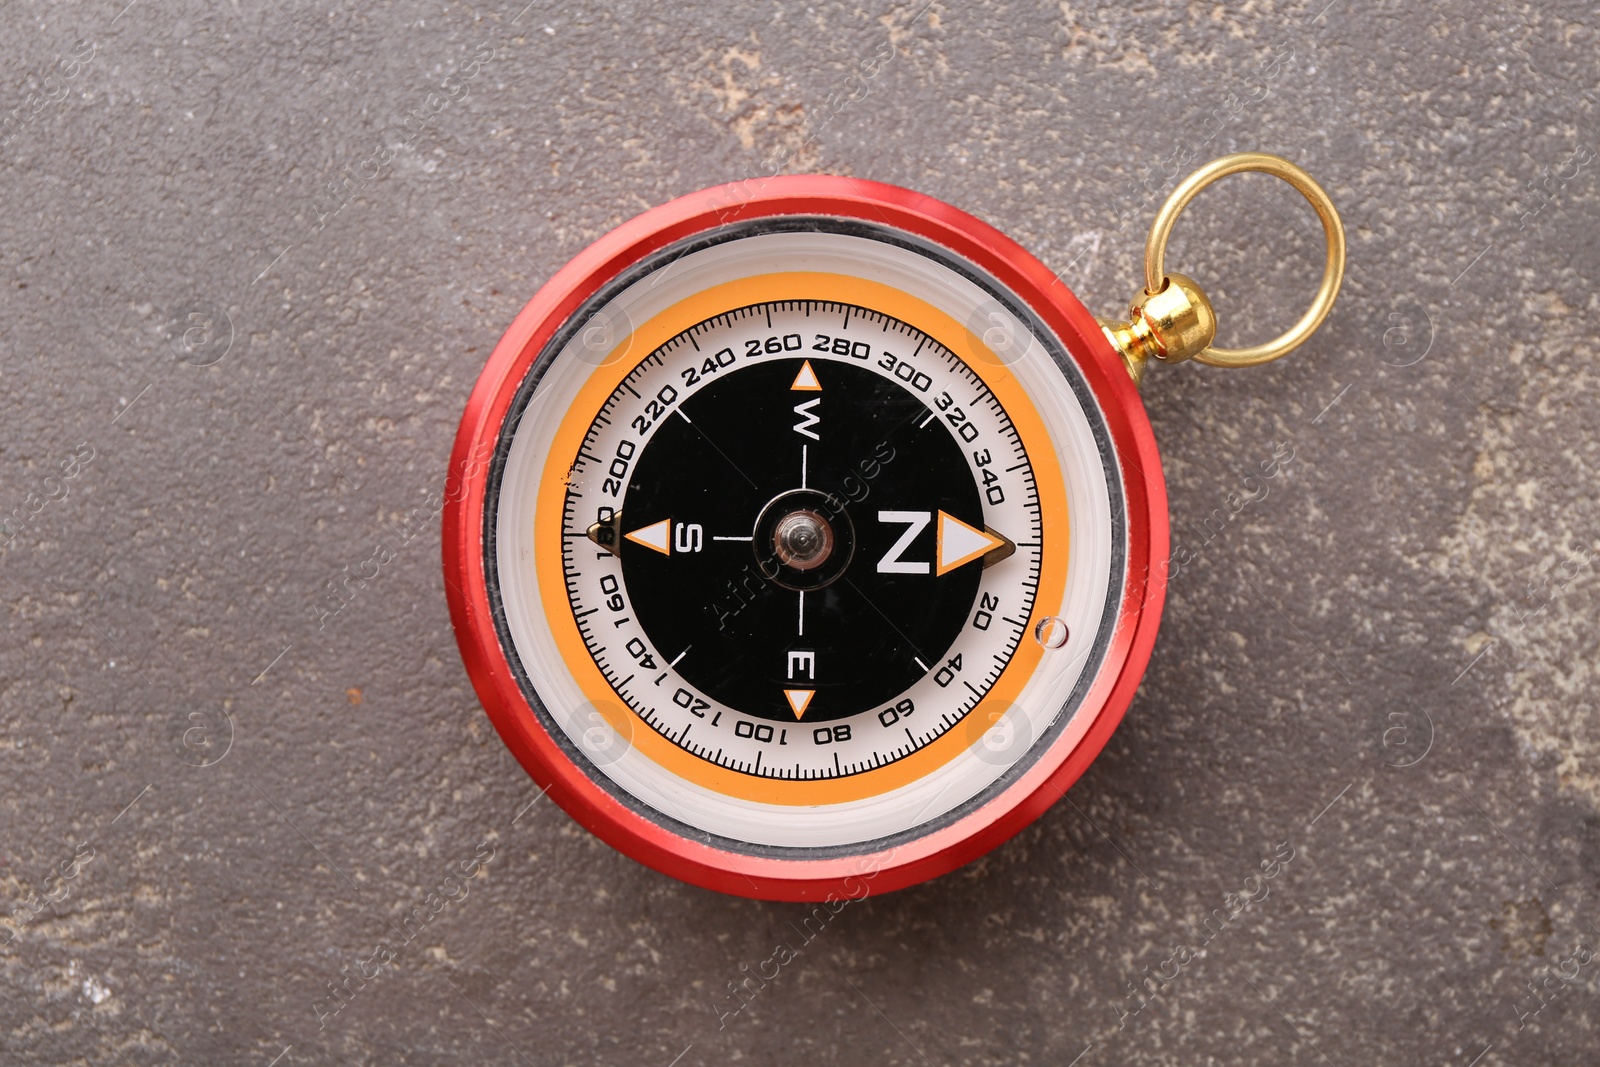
<point>805,538</point>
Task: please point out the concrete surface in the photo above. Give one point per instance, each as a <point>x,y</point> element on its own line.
<point>1385,667</point>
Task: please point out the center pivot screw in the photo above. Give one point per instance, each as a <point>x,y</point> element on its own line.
<point>803,540</point>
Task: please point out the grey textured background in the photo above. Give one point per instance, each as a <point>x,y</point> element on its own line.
<point>1387,663</point>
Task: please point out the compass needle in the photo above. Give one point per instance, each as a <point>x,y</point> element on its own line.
<point>958,544</point>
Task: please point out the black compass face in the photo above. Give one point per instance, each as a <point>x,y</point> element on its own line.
<point>800,500</point>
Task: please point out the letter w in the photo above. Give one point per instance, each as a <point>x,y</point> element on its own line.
<point>807,419</point>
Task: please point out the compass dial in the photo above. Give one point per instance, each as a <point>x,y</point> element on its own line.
<point>824,549</point>
<point>796,543</point>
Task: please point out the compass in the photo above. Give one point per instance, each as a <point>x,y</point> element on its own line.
<point>807,537</point>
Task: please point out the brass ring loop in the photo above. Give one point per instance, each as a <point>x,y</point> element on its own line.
<point>1155,249</point>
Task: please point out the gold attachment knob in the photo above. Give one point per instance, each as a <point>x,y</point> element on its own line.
<point>1171,326</point>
